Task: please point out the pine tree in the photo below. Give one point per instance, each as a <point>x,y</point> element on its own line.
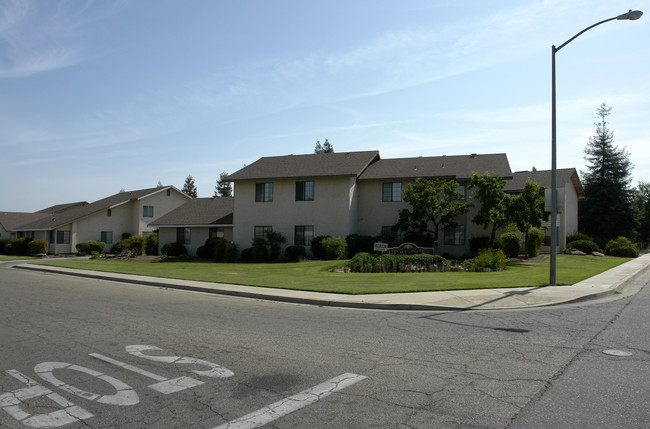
<point>323,148</point>
<point>223,187</point>
<point>606,212</point>
<point>189,188</point>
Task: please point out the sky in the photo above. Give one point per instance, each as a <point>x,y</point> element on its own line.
<point>99,96</point>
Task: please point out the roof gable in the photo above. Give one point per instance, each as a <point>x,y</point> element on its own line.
<point>54,220</point>
<point>199,212</point>
<point>459,167</point>
<point>543,177</point>
<point>344,164</point>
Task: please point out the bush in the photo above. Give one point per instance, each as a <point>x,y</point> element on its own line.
<point>295,253</point>
<point>3,245</point>
<point>151,244</point>
<point>133,246</point>
<point>126,235</point>
<point>94,255</point>
<point>87,247</point>
<point>173,249</point>
<point>367,263</point>
<point>511,245</point>
<point>225,251</point>
<point>274,241</point>
<point>621,246</point>
<point>37,246</point>
<point>535,241</point>
<point>577,236</point>
<point>317,246</point>
<point>478,243</point>
<point>493,259</point>
<point>19,246</point>
<point>359,243</point>
<point>334,248</point>
<point>586,246</point>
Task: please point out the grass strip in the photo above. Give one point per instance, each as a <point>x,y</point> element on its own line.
<point>318,276</point>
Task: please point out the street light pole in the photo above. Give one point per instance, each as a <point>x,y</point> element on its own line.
<point>631,15</point>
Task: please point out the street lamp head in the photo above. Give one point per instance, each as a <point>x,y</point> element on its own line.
<point>632,15</point>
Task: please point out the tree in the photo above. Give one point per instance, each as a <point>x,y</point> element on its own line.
<point>642,202</point>
<point>223,187</point>
<point>189,188</point>
<point>324,148</point>
<point>433,202</point>
<point>606,212</point>
<point>495,204</point>
<point>527,209</point>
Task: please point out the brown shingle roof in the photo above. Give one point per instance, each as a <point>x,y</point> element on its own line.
<point>456,167</point>
<point>56,220</point>
<point>199,212</point>
<point>62,207</point>
<point>543,177</point>
<point>10,221</point>
<point>306,166</point>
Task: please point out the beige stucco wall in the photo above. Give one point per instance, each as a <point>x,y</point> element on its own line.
<point>375,213</point>
<point>333,211</point>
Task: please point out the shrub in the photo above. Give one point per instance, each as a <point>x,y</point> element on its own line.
<point>359,243</point>
<point>37,246</point>
<point>535,241</point>
<point>621,246</point>
<point>317,246</point>
<point>295,253</point>
<point>126,235</point>
<point>207,250</point>
<point>493,259</point>
<point>225,251</point>
<point>19,246</point>
<point>511,245</point>
<point>87,247</point>
<point>367,263</point>
<point>118,247</point>
<point>576,236</point>
<point>586,246</point>
<point>478,243</point>
<point>151,244</point>
<point>3,245</point>
<point>334,247</point>
<point>184,257</point>
<point>94,255</point>
<point>274,241</point>
<point>173,249</point>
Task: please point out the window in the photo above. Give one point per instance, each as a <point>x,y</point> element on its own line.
<point>461,189</point>
<point>263,192</point>
<point>147,211</point>
<point>107,237</point>
<point>455,235</point>
<point>109,212</point>
<point>260,231</point>
<point>303,235</point>
<point>169,192</point>
<point>63,237</point>
<point>391,192</point>
<point>183,236</point>
<point>216,232</point>
<point>305,191</point>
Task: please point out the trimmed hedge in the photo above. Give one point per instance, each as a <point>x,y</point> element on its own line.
<point>334,248</point>
<point>511,245</point>
<point>219,249</point>
<point>586,246</point>
<point>576,236</point>
<point>88,247</point>
<point>621,246</point>
<point>133,245</point>
<point>151,244</point>
<point>535,241</point>
<point>19,246</point>
<point>4,241</point>
<point>295,253</point>
<point>173,249</point>
<point>359,243</point>
<point>367,263</point>
<point>37,246</point>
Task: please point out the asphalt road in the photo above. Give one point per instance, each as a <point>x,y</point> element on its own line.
<point>80,352</point>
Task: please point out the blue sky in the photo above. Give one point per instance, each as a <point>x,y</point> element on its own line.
<point>100,96</point>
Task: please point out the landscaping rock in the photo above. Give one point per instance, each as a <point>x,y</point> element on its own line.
<point>578,253</point>
<point>602,255</point>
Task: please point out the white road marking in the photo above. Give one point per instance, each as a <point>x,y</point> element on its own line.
<point>164,385</point>
<point>125,394</point>
<point>292,403</point>
<point>10,402</point>
<point>217,371</point>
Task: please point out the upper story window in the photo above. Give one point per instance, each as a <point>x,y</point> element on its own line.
<point>391,191</point>
<point>263,192</point>
<point>109,212</point>
<point>147,211</point>
<point>305,191</point>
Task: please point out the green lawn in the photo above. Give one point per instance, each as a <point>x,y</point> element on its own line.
<point>317,276</point>
<point>15,258</point>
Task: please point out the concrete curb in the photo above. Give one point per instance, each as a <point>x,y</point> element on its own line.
<point>597,287</point>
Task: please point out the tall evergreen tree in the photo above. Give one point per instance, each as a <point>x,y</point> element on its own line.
<point>189,188</point>
<point>223,187</point>
<point>606,212</point>
<point>323,148</point>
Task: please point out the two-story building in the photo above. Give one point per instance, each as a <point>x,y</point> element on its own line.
<point>337,194</point>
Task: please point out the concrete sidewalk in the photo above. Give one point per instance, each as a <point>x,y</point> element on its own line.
<point>602,285</point>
